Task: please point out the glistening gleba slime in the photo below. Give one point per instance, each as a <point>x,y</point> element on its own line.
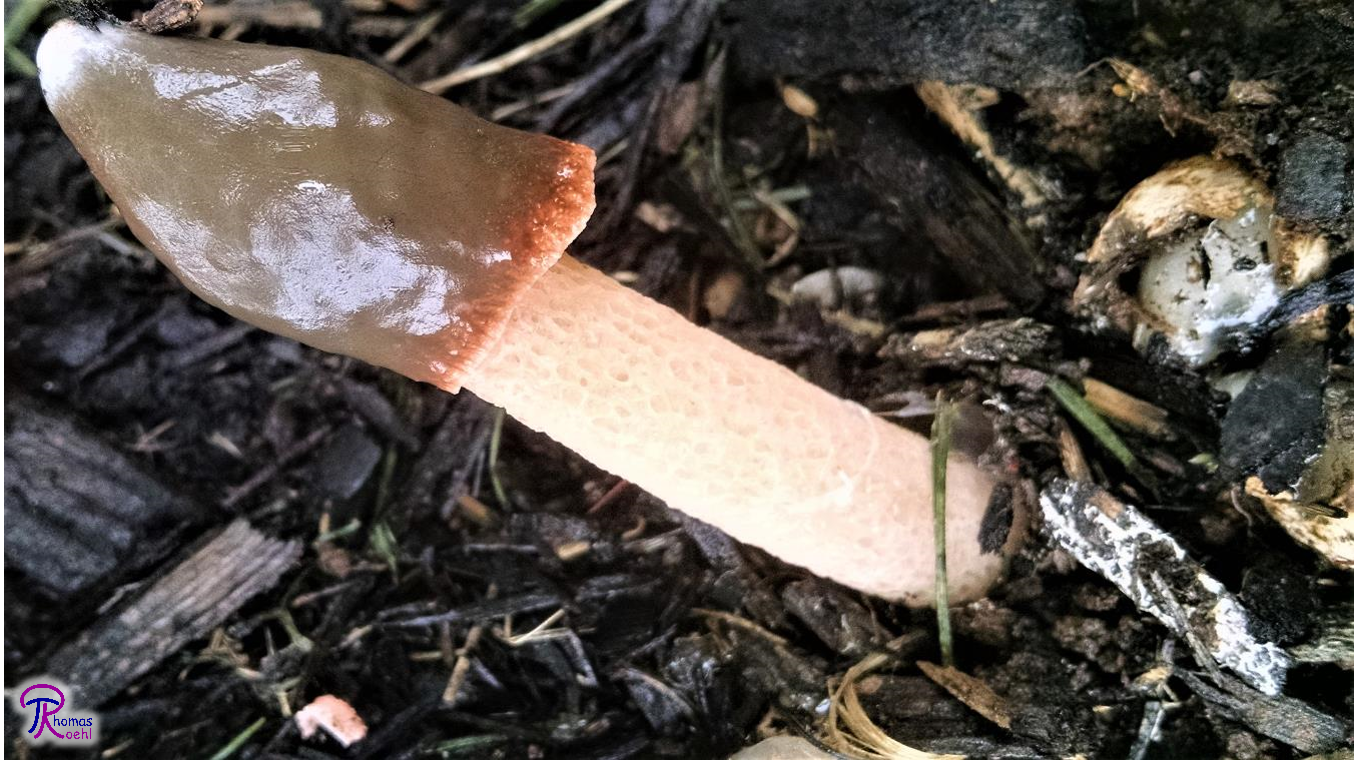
<point>318,198</point>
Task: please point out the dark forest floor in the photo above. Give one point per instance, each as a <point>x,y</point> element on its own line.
<point>415,536</point>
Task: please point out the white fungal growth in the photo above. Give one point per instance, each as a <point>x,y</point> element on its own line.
<point>1152,569</point>
<point>1212,259</point>
<point>1201,286</point>
<point>63,55</point>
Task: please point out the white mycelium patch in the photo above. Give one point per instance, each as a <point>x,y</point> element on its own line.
<point>64,52</point>
<point>1203,285</point>
<point>1153,570</point>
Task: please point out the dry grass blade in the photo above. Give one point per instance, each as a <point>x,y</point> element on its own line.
<point>971,691</point>
<point>941,429</point>
<point>524,52</point>
<point>1125,409</point>
<point>850,730</point>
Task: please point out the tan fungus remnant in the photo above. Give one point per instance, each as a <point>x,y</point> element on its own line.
<point>1211,256</point>
<point>335,717</point>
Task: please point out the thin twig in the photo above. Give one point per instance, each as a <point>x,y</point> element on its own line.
<point>416,34</point>
<point>541,631</point>
<point>743,623</point>
<point>274,467</point>
<point>461,667</point>
<point>532,10</point>
<point>609,496</point>
<point>524,52</point>
<point>1149,729</point>
<point>39,255</point>
<point>940,455</point>
<point>536,99</point>
<point>588,85</point>
<point>127,341</point>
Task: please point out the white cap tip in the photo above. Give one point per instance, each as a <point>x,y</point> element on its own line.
<point>62,52</point>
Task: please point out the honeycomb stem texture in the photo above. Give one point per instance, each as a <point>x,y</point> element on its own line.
<point>733,439</point>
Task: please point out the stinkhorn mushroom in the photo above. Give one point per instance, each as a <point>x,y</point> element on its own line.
<point>316,197</point>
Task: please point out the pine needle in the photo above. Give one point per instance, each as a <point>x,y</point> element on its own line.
<point>1081,410</point>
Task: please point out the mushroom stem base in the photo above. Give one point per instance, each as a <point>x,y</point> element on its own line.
<point>734,439</point>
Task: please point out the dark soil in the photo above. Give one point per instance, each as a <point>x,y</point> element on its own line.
<point>674,641</point>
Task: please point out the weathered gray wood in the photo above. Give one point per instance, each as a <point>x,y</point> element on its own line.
<point>78,510</point>
<point>1289,720</point>
<point>1010,44</point>
<point>187,603</point>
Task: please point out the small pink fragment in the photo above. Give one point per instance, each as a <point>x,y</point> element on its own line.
<point>336,717</point>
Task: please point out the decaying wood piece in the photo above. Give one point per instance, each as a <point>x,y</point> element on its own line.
<point>1334,639</point>
<point>185,604</point>
<point>1000,340</point>
<point>973,692</point>
<point>939,198</point>
<point>1298,439</point>
<point>960,106</point>
<point>1326,529</point>
<point>79,511</point>
<point>1291,721</point>
<point>1151,568</point>
<point>1127,409</point>
<point>168,15</point>
<point>1276,425</point>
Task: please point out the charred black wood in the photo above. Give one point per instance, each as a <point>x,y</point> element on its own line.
<point>938,199</point>
<point>1277,424</point>
<point>1006,44</point>
<point>1291,721</point>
